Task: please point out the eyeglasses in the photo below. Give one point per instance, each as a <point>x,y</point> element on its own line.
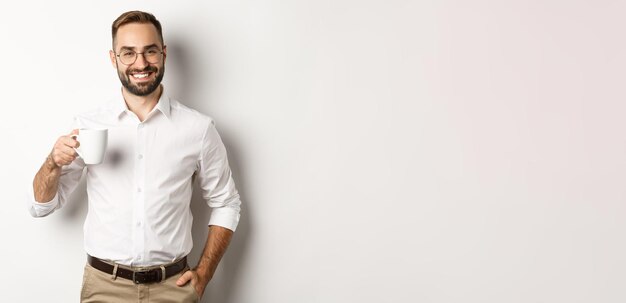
<point>152,55</point>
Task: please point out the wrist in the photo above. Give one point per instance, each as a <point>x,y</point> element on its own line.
<point>204,272</point>
<point>50,164</point>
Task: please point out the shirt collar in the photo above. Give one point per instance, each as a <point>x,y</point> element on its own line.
<point>164,104</point>
<point>119,106</point>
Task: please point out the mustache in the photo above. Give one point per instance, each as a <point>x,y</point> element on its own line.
<point>149,69</point>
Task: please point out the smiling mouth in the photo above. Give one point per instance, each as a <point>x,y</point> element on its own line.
<point>141,75</point>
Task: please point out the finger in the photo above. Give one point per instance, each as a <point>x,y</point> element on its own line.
<point>69,153</point>
<point>64,150</point>
<point>186,277</point>
<point>65,154</point>
<point>74,132</point>
<point>71,142</point>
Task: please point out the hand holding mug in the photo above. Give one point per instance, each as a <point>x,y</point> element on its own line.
<point>63,152</point>
<point>91,148</point>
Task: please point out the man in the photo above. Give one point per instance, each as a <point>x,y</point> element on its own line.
<point>138,227</point>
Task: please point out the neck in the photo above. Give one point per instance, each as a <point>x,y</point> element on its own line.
<point>142,105</point>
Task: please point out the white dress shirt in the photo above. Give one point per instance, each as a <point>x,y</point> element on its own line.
<point>139,197</point>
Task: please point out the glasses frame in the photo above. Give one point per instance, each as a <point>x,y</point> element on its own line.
<point>161,52</point>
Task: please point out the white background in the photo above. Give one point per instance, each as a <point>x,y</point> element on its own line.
<point>385,151</point>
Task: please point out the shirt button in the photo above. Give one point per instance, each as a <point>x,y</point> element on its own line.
<point>138,189</point>
<point>140,157</point>
<point>139,223</point>
<point>140,126</point>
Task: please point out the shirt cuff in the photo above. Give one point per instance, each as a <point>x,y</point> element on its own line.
<point>225,217</point>
<point>38,209</point>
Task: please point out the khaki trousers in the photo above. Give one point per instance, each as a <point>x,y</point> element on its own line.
<point>102,287</point>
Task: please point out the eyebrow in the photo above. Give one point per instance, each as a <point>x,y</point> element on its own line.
<point>134,48</point>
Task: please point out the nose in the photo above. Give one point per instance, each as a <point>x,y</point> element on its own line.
<point>141,61</point>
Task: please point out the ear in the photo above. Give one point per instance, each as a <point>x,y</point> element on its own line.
<point>113,59</point>
<point>164,53</point>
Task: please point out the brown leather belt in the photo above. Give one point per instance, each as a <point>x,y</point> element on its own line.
<point>157,274</point>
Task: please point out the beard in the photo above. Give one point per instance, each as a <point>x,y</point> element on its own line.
<point>141,89</point>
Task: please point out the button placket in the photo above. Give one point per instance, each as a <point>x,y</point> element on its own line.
<point>140,192</point>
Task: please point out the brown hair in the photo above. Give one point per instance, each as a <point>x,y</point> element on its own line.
<point>135,17</point>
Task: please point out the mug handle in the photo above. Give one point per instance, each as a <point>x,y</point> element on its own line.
<point>78,152</point>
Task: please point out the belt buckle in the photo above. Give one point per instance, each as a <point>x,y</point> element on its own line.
<point>139,275</point>
<point>147,276</point>
<point>135,277</point>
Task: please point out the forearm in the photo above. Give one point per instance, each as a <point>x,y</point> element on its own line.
<point>216,245</point>
<point>46,182</point>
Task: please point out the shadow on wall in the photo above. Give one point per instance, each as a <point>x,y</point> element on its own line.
<point>184,72</point>
<point>230,270</point>
<point>182,68</point>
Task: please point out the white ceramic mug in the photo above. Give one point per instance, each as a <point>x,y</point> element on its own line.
<point>93,144</point>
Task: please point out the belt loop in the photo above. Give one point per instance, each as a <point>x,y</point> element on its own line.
<point>114,274</point>
<point>162,273</point>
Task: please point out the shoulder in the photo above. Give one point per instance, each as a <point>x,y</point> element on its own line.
<point>102,114</point>
<point>184,114</point>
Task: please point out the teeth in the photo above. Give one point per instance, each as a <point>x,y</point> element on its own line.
<point>139,76</point>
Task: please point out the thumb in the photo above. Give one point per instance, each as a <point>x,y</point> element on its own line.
<point>74,132</point>
<point>186,277</point>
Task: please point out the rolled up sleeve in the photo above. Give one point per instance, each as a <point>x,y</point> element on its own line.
<point>69,179</point>
<point>216,181</point>
<point>38,209</point>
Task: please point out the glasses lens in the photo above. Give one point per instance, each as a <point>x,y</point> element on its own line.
<point>152,55</point>
<point>128,57</point>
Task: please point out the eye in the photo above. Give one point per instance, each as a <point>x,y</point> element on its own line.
<point>152,52</point>
<point>127,54</point>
